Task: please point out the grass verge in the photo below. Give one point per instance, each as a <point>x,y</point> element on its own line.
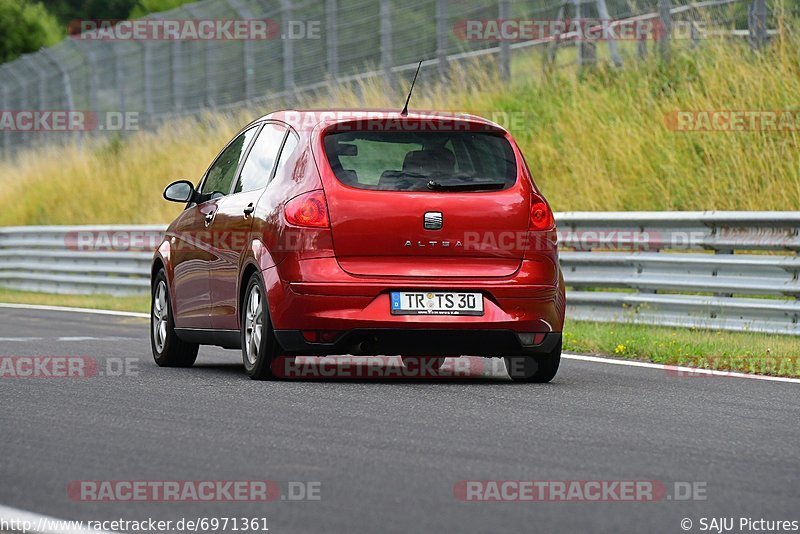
<point>745,352</point>
<point>138,303</point>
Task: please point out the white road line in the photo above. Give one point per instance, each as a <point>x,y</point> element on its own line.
<point>15,520</point>
<point>67,339</point>
<point>73,310</point>
<point>677,370</point>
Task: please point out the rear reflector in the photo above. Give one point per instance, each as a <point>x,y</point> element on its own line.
<point>321,336</point>
<point>530,339</point>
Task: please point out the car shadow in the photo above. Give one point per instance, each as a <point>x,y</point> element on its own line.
<point>377,370</point>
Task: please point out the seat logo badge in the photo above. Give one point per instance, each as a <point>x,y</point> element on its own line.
<point>433,220</point>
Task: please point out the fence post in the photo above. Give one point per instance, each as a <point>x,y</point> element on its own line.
<point>586,51</point>
<point>247,50</point>
<point>602,10</point>
<point>147,67</point>
<point>42,75</point>
<point>757,20</point>
<point>119,78</point>
<point>6,132</point>
<point>441,37</point>
<point>91,66</point>
<point>386,42</point>
<point>47,53</point>
<point>210,82</point>
<point>550,50</point>
<point>332,40</point>
<point>177,74</point>
<point>288,52</point>
<point>665,33</point>
<point>504,12</point>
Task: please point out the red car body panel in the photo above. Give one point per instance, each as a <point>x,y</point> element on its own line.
<point>338,278</point>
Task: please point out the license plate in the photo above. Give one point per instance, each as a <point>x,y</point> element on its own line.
<point>436,303</point>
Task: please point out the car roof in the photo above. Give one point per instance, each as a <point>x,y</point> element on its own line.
<point>308,119</point>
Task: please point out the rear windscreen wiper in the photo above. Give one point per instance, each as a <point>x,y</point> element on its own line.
<point>473,186</point>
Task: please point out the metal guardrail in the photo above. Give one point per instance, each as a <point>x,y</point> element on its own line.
<point>717,270</point>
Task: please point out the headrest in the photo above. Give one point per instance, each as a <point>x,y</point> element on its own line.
<point>430,161</point>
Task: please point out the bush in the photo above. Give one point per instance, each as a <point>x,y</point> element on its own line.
<point>26,27</point>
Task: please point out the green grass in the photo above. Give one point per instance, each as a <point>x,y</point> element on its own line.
<point>745,352</point>
<point>138,303</point>
<point>737,351</point>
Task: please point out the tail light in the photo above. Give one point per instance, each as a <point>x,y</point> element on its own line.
<point>541,216</point>
<point>308,210</point>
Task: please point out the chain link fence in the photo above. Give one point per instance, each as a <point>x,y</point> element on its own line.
<point>316,45</point>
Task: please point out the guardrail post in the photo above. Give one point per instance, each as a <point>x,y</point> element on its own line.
<point>757,21</point>
<point>504,12</point>
<point>386,42</point>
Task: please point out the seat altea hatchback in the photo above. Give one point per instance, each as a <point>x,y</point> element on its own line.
<point>332,232</point>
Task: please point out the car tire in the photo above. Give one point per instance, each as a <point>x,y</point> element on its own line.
<point>168,349</point>
<point>536,368</point>
<point>260,348</point>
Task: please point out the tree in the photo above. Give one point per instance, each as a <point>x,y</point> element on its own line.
<point>70,10</point>
<point>145,7</point>
<point>26,27</point>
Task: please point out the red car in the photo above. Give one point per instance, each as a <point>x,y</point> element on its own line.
<point>362,232</point>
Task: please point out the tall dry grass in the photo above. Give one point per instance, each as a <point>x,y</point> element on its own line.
<point>595,140</point>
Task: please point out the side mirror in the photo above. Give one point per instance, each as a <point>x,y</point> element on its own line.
<point>180,191</point>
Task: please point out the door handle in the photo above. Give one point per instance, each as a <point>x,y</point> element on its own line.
<point>210,217</point>
<point>248,211</point>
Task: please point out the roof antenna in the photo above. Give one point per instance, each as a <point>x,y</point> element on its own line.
<point>405,108</point>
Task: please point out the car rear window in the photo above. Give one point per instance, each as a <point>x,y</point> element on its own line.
<point>421,161</point>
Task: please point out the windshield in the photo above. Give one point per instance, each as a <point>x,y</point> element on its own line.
<point>421,161</point>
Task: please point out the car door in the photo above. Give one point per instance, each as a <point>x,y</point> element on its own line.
<point>234,220</point>
<point>194,251</point>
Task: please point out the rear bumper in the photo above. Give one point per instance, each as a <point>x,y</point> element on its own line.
<point>417,342</point>
<point>358,311</point>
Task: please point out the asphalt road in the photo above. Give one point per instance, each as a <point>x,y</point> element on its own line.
<point>386,453</point>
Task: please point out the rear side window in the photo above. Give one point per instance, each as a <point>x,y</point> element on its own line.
<point>261,160</point>
<point>421,161</point>
<point>219,179</point>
